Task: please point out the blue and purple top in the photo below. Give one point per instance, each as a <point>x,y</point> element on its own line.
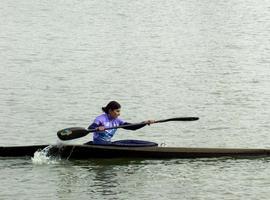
<point>104,137</point>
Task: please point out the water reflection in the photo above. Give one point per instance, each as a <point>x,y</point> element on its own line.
<point>100,177</point>
<point>105,178</point>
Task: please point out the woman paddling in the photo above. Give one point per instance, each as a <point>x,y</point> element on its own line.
<point>110,118</point>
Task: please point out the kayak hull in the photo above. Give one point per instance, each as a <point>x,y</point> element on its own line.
<point>155,152</point>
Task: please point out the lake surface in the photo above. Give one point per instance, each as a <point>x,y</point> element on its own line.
<point>60,62</point>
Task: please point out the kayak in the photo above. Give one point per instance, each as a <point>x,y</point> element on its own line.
<point>91,151</point>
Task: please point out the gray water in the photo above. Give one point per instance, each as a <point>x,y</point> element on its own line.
<point>60,61</point>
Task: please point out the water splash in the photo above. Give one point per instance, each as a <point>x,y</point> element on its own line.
<point>42,157</point>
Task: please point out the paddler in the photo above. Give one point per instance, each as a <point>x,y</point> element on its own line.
<point>110,118</point>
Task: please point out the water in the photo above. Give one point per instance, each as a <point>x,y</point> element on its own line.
<point>61,61</point>
<point>124,179</point>
<point>43,157</point>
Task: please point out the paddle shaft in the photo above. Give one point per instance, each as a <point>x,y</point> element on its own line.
<point>121,126</point>
<point>144,123</point>
<point>77,132</point>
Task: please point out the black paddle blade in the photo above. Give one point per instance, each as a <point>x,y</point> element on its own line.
<point>179,119</point>
<point>72,133</point>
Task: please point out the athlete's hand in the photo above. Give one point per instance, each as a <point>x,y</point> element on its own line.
<point>100,128</point>
<point>148,122</point>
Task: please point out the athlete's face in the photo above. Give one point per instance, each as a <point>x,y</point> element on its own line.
<point>114,113</point>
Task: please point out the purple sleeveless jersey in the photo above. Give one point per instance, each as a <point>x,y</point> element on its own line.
<point>107,122</point>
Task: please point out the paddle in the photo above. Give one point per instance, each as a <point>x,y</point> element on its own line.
<point>77,132</point>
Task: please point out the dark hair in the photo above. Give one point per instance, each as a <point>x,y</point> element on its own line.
<point>112,105</point>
